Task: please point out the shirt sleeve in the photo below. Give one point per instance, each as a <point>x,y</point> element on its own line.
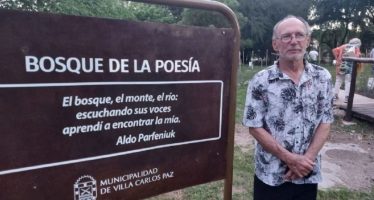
<point>328,114</point>
<point>255,103</point>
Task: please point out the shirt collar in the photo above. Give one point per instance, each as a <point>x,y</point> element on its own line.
<point>275,73</point>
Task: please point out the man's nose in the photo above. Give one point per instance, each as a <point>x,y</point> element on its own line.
<point>293,39</point>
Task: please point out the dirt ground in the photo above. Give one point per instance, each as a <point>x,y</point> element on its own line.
<point>347,159</point>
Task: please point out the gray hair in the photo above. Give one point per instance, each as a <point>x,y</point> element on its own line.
<point>307,27</point>
<point>355,42</point>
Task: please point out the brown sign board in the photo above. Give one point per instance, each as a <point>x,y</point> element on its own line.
<point>95,108</point>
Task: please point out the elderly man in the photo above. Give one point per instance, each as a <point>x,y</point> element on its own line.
<point>288,111</point>
<point>344,68</point>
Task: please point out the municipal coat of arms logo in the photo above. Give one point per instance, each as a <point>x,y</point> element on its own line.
<point>85,188</point>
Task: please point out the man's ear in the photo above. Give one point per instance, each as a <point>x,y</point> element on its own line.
<point>275,46</point>
<point>309,38</point>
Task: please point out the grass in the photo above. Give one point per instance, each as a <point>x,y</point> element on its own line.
<point>210,191</point>
<point>242,181</point>
<point>360,127</point>
<point>243,174</point>
<point>244,163</point>
<point>361,79</point>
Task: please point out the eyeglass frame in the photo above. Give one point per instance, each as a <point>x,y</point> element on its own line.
<point>299,37</point>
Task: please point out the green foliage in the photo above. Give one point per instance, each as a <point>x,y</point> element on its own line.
<point>27,5</point>
<point>367,36</point>
<point>256,17</point>
<point>357,13</point>
<point>208,18</point>
<point>259,22</point>
<point>246,44</point>
<point>103,8</point>
<point>148,12</point>
<point>117,9</point>
<point>203,18</point>
<point>262,15</point>
<point>342,19</point>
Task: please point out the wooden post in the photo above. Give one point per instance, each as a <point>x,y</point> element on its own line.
<point>348,115</point>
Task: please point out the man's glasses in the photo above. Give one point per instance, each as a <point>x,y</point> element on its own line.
<point>286,38</point>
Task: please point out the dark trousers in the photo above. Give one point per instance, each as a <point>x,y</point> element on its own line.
<point>286,191</point>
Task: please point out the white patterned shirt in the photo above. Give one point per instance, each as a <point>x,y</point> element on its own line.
<point>290,113</point>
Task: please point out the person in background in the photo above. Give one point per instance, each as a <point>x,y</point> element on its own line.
<point>288,110</point>
<point>344,68</point>
<point>371,55</point>
<point>313,56</point>
<point>370,83</point>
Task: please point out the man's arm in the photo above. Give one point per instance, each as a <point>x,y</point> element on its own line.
<point>338,53</point>
<point>320,137</point>
<point>335,53</point>
<point>299,165</point>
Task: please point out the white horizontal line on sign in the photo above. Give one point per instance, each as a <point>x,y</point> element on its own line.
<point>25,85</point>
<point>54,164</point>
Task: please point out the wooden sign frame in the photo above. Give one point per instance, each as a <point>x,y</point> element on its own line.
<point>36,86</point>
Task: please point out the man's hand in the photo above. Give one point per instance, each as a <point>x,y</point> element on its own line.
<point>299,166</point>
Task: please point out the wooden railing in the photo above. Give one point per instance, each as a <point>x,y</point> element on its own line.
<point>356,62</point>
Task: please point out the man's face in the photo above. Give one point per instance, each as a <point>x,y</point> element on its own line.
<point>291,40</point>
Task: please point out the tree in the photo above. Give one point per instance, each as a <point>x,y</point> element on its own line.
<point>208,18</point>
<point>261,17</point>
<point>117,9</point>
<point>149,12</point>
<point>345,17</point>
<point>103,8</point>
<point>27,5</point>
